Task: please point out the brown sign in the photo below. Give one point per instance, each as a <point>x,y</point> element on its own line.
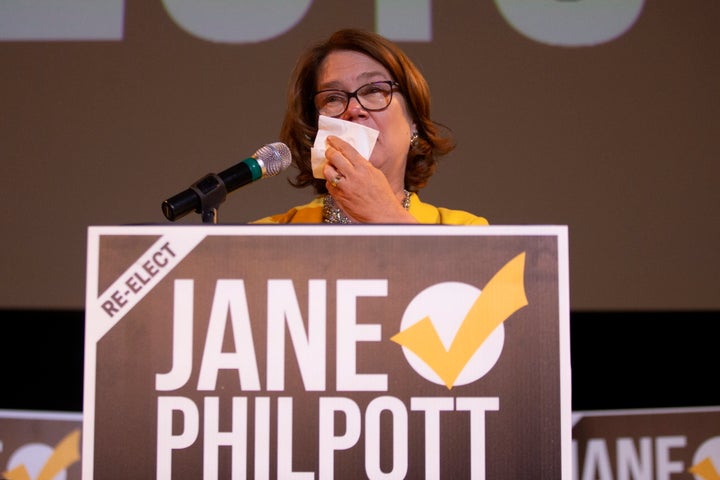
<point>326,352</point>
<point>673,443</point>
<point>36,445</point>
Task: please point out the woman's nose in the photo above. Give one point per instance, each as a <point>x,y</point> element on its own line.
<point>354,109</point>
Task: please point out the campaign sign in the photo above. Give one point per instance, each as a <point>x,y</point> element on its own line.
<point>320,351</point>
<point>665,443</point>
<point>39,445</point>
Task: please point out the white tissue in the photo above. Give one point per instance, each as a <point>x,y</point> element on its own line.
<point>359,136</point>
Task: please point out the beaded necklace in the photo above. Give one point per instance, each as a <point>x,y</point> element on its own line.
<point>333,214</point>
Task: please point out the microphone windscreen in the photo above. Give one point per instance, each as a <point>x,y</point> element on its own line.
<point>275,158</point>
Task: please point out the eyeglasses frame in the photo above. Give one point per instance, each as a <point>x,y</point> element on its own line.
<point>392,83</point>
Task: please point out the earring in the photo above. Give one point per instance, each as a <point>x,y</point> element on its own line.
<point>413,139</point>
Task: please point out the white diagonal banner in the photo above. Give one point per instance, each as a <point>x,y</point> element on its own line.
<point>138,280</point>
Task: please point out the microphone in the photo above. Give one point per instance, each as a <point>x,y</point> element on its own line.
<point>212,189</point>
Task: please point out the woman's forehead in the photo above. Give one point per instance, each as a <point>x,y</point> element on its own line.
<point>343,67</point>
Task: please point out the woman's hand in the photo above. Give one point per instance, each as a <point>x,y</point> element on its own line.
<point>360,189</point>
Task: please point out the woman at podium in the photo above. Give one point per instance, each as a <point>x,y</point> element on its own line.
<point>359,129</point>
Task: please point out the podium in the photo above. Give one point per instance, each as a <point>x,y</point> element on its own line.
<point>320,351</point>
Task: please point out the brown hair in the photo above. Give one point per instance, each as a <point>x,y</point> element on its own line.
<point>299,126</point>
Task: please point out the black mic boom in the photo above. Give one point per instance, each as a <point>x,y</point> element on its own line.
<point>212,189</point>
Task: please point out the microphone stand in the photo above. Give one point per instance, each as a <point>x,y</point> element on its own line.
<point>211,191</point>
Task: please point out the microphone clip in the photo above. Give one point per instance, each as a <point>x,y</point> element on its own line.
<point>211,192</point>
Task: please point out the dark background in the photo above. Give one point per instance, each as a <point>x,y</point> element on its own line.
<point>620,360</point>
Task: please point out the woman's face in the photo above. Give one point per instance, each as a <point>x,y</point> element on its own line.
<point>348,70</point>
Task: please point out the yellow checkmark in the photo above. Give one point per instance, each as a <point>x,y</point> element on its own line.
<point>503,295</point>
<point>705,470</point>
<point>66,452</point>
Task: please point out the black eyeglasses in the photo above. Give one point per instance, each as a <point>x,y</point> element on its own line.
<point>371,97</point>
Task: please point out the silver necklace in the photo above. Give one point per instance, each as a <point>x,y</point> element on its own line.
<point>333,214</point>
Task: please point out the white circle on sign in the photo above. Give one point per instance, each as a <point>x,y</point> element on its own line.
<point>33,456</point>
<point>447,305</point>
